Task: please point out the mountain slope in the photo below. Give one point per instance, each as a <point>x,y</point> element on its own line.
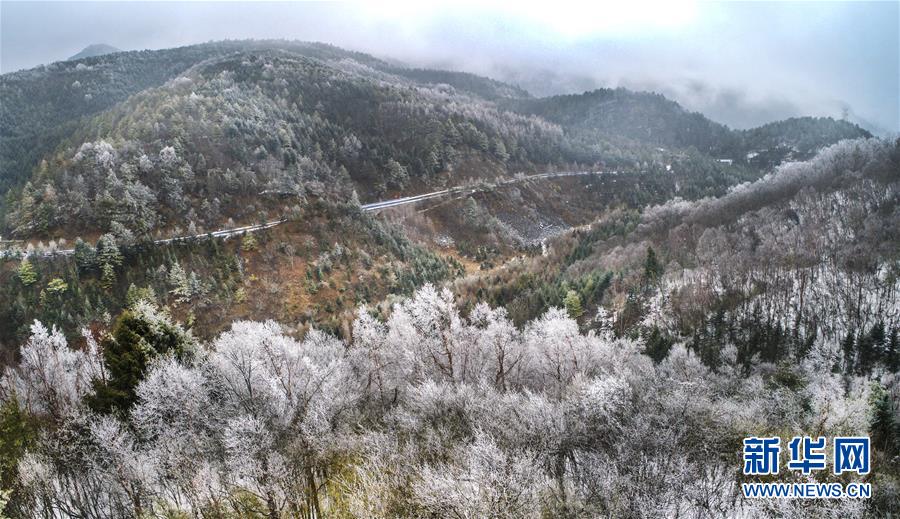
<point>814,238</point>
<point>43,106</point>
<point>150,145</point>
<point>640,116</point>
<point>797,138</point>
<point>268,122</point>
<point>651,118</point>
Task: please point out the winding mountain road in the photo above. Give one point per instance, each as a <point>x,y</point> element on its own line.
<point>461,191</point>
<point>371,207</point>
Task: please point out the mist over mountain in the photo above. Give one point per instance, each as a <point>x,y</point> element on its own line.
<point>732,106</point>
<point>778,60</point>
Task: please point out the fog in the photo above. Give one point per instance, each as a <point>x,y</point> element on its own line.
<point>742,64</point>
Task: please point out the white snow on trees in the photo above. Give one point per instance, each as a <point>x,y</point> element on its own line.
<point>428,413</point>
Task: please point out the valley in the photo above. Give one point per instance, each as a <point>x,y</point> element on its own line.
<point>271,278</point>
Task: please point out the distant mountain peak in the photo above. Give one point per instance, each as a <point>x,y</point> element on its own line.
<point>96,49</point>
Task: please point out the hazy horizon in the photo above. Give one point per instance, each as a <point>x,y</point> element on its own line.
<point>740,64</point>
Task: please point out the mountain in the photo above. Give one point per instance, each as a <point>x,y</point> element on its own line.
<point>197,289</point>
<point>96,49</point>
<point>795,244</point>
<point>42,106</point>
<point>653,119</point>
<point>390,128</point>
<point>797,138</point>
<point>640,116</point>
<point>676,332</point>
<point>139,146</point>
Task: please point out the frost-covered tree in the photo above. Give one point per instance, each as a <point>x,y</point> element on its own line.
<point>427,413</point>
<point>51,378</point>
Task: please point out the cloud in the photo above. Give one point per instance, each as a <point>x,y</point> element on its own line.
<point>740,63</point>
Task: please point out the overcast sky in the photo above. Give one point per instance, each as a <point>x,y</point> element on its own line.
<point>742,64</point>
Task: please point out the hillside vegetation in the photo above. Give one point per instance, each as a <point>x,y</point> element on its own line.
<point>130,147</point>
<point>581,346</point>
<point>180,126</point>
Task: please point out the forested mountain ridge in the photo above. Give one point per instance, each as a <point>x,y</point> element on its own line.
<point>268,134</point>
<point>436,122</point>
<point>810,251</point>
<point>641,116</point>
<point>651,118</point>
<point>154,144</point>
<point>796,138</point>
<point>268,122</point>
<point>41,107</point>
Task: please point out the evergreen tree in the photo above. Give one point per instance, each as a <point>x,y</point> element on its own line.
<point>85,256</point>
<point>248,242</point>
<point>892,356</point>
<point>137,337</point>
<point>108,257</point>
<point>397,176</point>
<point>848,347</point>
<point>433,161</point>
<point>657,344</point>
<point>137,294</point>
<point>27,274</point>
<point>57,286</point>
<point>653,269</point>
<point>499,149</point>
<point>883,425</point>
<point>866,354</point>
<point>108,251</point>
<point>178,279</point>
<point>572,303</point>
<point>107,277</point>
<point>17,434</point>
<point>481,140</point>
<point>878,335</point>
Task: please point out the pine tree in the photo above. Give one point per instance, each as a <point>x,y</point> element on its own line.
<point>27,274</point>
<point>657,345</point>
<point>653,269</point>
<point>878,335</point>
<point>107,277</point>
<point>108,257</point>
<point>433,161</point>
<point>865,354</point>
<point>178,279</point>
<point>137,337</point>
<point>883,425</point>
<point>136,294</point>
<point>85,256</point>
<point>397,175</point>
<point>573,304</point>
<point>57,286</point>
<point>499,149</point>
<point>108,251</point>
<point>892,356</point>
<point>848,347</point>
<point>481,140</point>
<point>17,434</point>
<point>248,242</point>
